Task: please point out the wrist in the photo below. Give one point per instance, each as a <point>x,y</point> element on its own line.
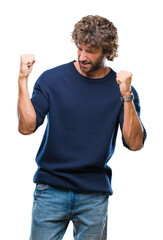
<point>22,84</point>
<point>22,77</point>
<point>126,94</point>
<point>127,97</point>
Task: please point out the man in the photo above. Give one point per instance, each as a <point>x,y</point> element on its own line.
<point>85,101</point>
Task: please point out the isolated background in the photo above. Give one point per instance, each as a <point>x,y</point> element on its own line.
<point>44,29</point>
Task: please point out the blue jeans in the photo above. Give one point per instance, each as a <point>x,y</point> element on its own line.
<point>54,208</point>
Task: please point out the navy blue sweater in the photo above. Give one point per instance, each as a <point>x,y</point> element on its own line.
<point>83,116</point>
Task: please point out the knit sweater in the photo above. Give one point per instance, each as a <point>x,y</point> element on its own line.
<point>83,116</point>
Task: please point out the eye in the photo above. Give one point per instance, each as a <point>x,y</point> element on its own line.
<point>91,51</point>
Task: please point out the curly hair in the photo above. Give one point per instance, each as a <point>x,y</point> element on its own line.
<point>98,32</point>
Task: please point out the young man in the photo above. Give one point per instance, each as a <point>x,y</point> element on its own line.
<point>85,102</point>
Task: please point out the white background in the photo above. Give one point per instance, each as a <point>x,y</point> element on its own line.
<point>44,29</point>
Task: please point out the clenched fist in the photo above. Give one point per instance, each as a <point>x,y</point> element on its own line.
<point>26,65</point>
<point>124,79</point>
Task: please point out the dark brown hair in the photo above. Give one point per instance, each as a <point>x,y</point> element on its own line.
<point>98,32</point>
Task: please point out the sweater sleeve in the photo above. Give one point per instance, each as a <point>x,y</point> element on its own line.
<point>137,108</point>
<point>40,101</point>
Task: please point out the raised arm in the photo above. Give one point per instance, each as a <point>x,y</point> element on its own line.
<point>133,132</point>
<point>26,112</point>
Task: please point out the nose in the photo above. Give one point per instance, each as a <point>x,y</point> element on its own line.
<point>82,56</point>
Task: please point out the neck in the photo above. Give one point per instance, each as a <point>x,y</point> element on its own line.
<point>99,73</point>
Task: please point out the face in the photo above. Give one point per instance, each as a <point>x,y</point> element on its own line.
<point>90,58</point>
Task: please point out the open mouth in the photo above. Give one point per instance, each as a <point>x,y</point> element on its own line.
<point>83,64</point>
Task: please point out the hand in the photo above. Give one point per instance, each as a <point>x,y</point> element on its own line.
<point>124,79</point>
<point>26,65</point>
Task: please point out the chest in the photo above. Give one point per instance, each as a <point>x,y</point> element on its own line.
<point>78,99</point>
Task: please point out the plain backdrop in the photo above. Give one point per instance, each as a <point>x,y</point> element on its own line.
<point>44,29</point>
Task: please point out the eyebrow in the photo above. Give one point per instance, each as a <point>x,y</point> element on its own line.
<point>90,49</point>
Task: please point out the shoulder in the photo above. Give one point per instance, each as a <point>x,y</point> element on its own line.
<point>112,71</point>
<point>58,70</point>
<point>51,76</point>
